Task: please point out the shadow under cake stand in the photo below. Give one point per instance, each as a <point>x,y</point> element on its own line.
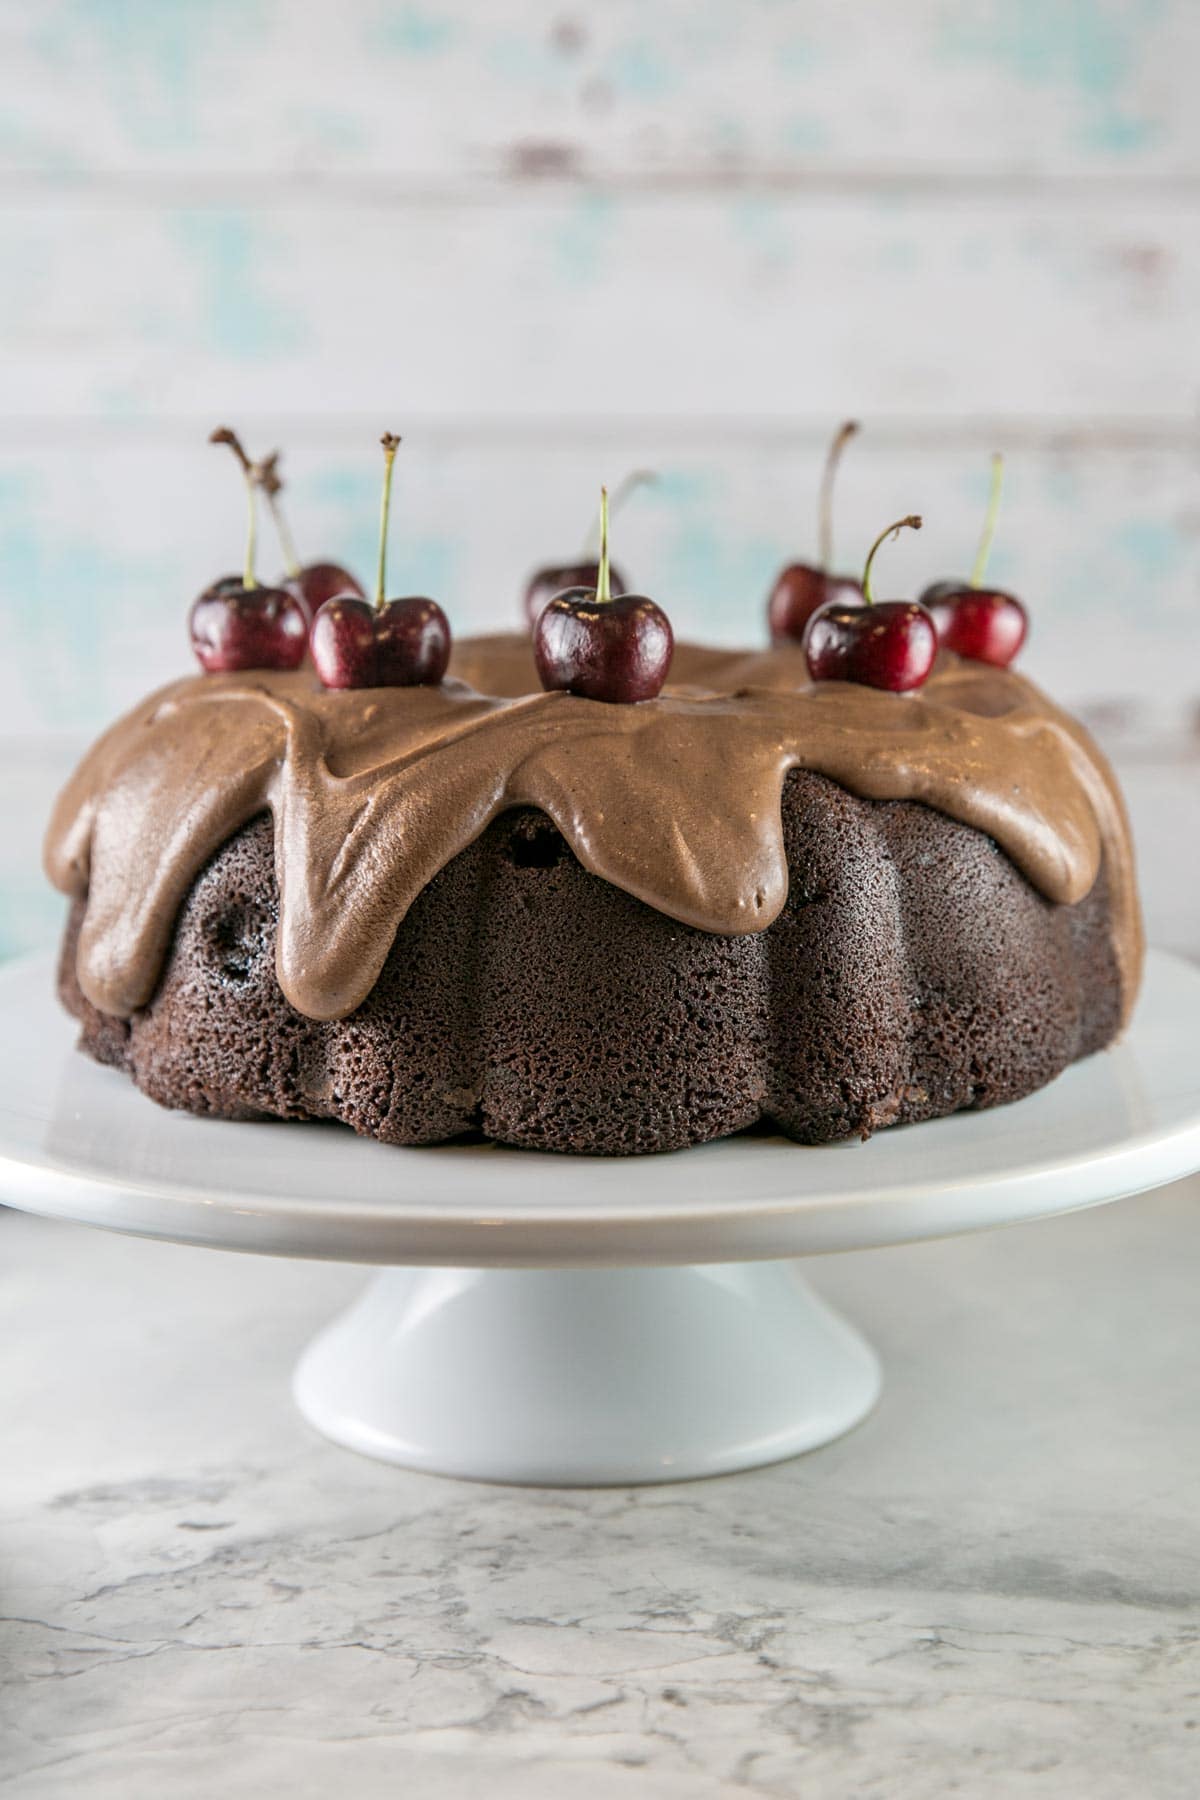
<point>569,1320</point>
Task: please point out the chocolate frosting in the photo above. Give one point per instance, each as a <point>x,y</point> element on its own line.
<point>676,800</point>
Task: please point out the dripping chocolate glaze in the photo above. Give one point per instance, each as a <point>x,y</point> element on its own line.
<point>676,800</point>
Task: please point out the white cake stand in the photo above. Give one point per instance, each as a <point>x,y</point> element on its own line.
<point>576,1320</point>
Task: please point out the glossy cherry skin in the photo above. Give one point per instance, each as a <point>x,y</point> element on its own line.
<point>617,650</point>
<point>235,627</point>
<point>890,645</point>
<point>545,583</point>
<point>318,582</point>
<point>404,643</point>
<point>801,589</point>
<point>985,624</point>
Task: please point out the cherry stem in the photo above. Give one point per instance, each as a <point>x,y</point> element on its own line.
<point>627,485</point>
<point>271,483</point>
<point>603,580</point>
<point>825,502</point>
<point>223,435</point>
<point>989,521</point>
<point>390,446</point>
<point>913,521</point>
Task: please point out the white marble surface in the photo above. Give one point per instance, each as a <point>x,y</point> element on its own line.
<point>992,1588</point>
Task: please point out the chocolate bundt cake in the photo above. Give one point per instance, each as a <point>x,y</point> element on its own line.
<point>481,908</point>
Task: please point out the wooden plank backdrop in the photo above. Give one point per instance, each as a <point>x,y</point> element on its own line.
<point>549,243</point>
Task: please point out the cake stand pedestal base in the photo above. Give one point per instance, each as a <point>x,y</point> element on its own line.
<point>552,1319</point>
<point>584,1377</point>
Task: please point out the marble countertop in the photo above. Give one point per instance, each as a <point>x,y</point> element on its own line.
<point>991,1588</point>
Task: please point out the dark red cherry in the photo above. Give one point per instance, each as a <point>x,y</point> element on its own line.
<point>342,643</point>
<point>800,590</point>
<point>888,644</point>
<point>985,624</point>
<point>234,627</point>
<point>545,583</point>
<point>237,623</point>
<point>618,650</point>
<point>318,582</point>
<point>395,643</point>
<point>602,646</point>
<point>403,643</point>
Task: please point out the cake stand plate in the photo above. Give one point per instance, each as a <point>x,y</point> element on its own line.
<point>585,1320</point>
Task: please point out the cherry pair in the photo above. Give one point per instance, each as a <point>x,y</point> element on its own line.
<point>847,634</point>
<point>985,624</point>
<point>239,624</point>
<point>242,623</point>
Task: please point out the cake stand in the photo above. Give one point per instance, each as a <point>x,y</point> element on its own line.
<point>585,1320</point>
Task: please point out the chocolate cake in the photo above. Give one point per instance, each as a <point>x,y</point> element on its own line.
<point>479,908</point>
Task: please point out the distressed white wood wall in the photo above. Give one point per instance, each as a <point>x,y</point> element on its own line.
<point>549,242</point>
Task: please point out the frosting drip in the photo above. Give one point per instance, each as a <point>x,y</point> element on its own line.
<point>677,800</point>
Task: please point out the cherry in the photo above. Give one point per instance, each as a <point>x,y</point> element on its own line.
<point>238,624</point>
<point>395,643</point>
<point>309,583</point>
<point>600,647</point>
<point>801,589</point>
<point>314,583</point>
<point>543,584</point>
<point>986,624</point>
<point>887,644</point>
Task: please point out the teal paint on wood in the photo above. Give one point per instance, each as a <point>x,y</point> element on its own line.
<point>413,31</point>
<point>336,131</point>
<point>439,89</point>
<point>30,144</point>
<point>430,564</point>
<point>715,577</point>
<point>31,913</point>
<point>241,283</point>
<point>678,489</point>
<point>1127,575</point>
<point>524,61</point>
<point>68,599</point>
<point>1089,48</point>
<point>350,493</point>
<point>897,256</point>
<point>418,561</point>
<point>800,55</point>
<point>1153,549</point>
<point>638,67</point>
<point>807,135</point>
<point>761,226</point>
<point>718,578</point>
<point>579,244</point>
<point>155,57</point>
